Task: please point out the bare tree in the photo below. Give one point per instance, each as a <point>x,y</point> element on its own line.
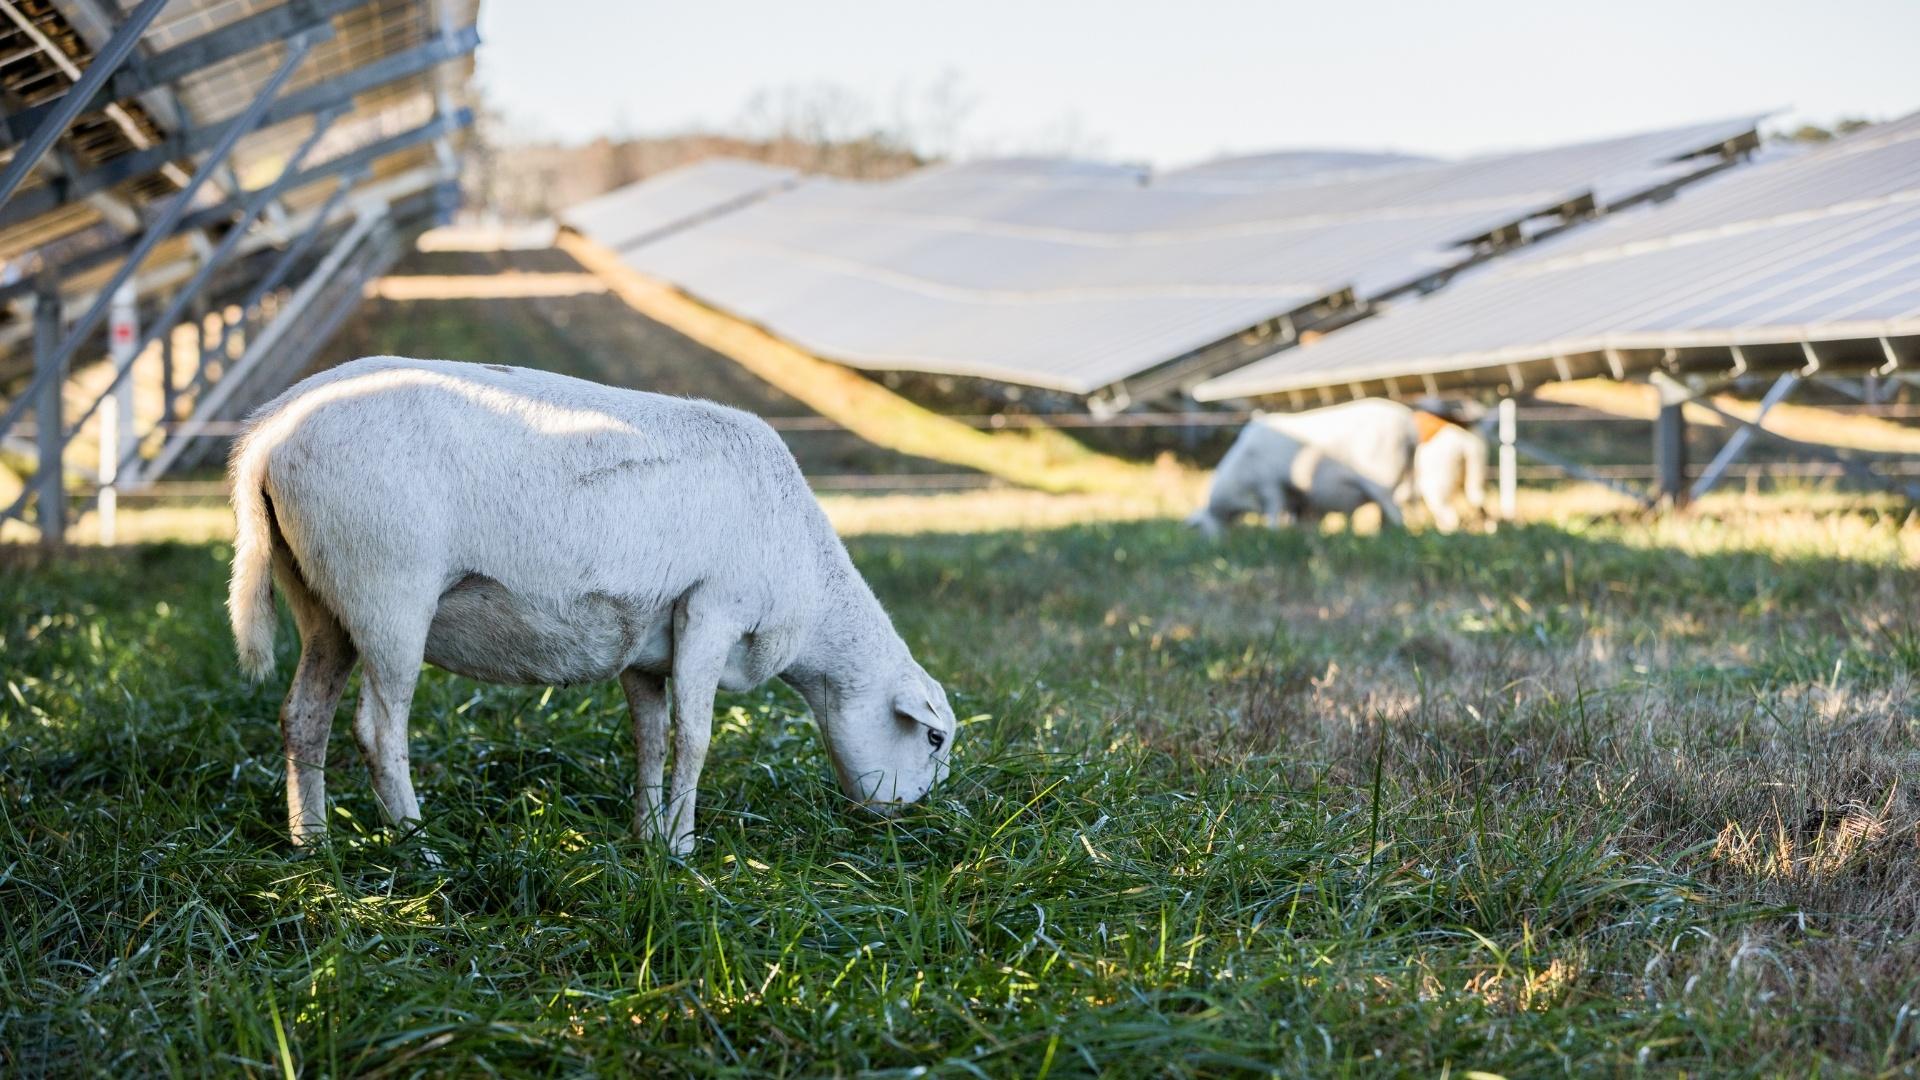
<point>1814,133</point>
<point>932,118</point>
<point>820,127</point>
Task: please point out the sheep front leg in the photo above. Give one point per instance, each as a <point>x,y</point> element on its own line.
<point>647,703</point>
<point>699,656</point>
<point>390,658</point>
<point>1275,506</point>
<point>1389,512</point>
<point>380,726</point>
<point>1358,491</point>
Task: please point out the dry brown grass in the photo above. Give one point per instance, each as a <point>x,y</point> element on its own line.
<point>1806,423</point>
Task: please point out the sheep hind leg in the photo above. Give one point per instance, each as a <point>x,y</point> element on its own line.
<point>306,717</point>
<point>647,703</point>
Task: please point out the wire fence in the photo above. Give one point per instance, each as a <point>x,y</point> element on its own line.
<point>935,482</point>
<point>226,429</point>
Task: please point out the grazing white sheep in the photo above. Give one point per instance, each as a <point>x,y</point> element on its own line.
<point>518,526</point>
<point>1450,461</point>
<point>1304,465</point>
<point>1373,436</point>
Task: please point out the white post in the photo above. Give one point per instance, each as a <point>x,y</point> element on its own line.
<point>1509,460</point>
<point>116,413</point>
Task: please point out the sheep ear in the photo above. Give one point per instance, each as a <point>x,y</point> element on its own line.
<point>911,702</point>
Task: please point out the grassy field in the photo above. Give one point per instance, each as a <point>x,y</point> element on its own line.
<point>1597,796</point>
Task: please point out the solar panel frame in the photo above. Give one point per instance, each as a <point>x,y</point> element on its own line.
<point>675,199</point>
<point>1114,276</point>
<point>210,95</point>
<point>1818,248</point>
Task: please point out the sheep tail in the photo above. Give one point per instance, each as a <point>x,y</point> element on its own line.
<point>250,591</point>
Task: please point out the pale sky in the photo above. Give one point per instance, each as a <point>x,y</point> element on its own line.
<point>1177,81</point>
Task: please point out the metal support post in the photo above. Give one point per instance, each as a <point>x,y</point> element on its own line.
<point>1509,459</point>
<point>1670,441</point>
<point>50,475</point>
<point>169,390</point>
<point>116,411</point>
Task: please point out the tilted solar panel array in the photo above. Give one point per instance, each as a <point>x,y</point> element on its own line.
<point>1818,248</point>
<point>1289,166</point>
<point>242,167</point>
<point>1076,277</point>
<point>638,213</point>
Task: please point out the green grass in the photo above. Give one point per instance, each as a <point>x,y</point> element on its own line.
<point>1602,798</point>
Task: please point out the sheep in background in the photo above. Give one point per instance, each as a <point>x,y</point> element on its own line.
<point>1277,476</point>
<point>1373,436</point>
<point>518,526</point>
<point>1300,466</point>
<point>1450,461</point>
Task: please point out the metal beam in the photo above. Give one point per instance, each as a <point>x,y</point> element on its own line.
<point>1578,471</point>
<point>1270,336</point>
<point>50,475</point>
<point>1505,419</point>
<point>61,112</point>
<point>214,260</point>
<point>276,24</point>
<point>1848,462</point>
<point>295,350</point>
<point>1860,390</point>
<point>219,215</point>
<point>283,265</point>
<point>336,93</point>
<point>101,22</point>
<point>169,219</point>
<point>1782,387</point>
<point>94,20</point>
<point>387,69</point>
<point>296,307</point>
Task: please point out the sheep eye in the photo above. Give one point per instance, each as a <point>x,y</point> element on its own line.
<point>936,739</point>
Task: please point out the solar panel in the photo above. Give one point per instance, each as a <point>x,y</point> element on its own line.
<point>1079,277</point>
<point>1290,166</point>
<point>1821,247</point>
<point>640,212</point>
